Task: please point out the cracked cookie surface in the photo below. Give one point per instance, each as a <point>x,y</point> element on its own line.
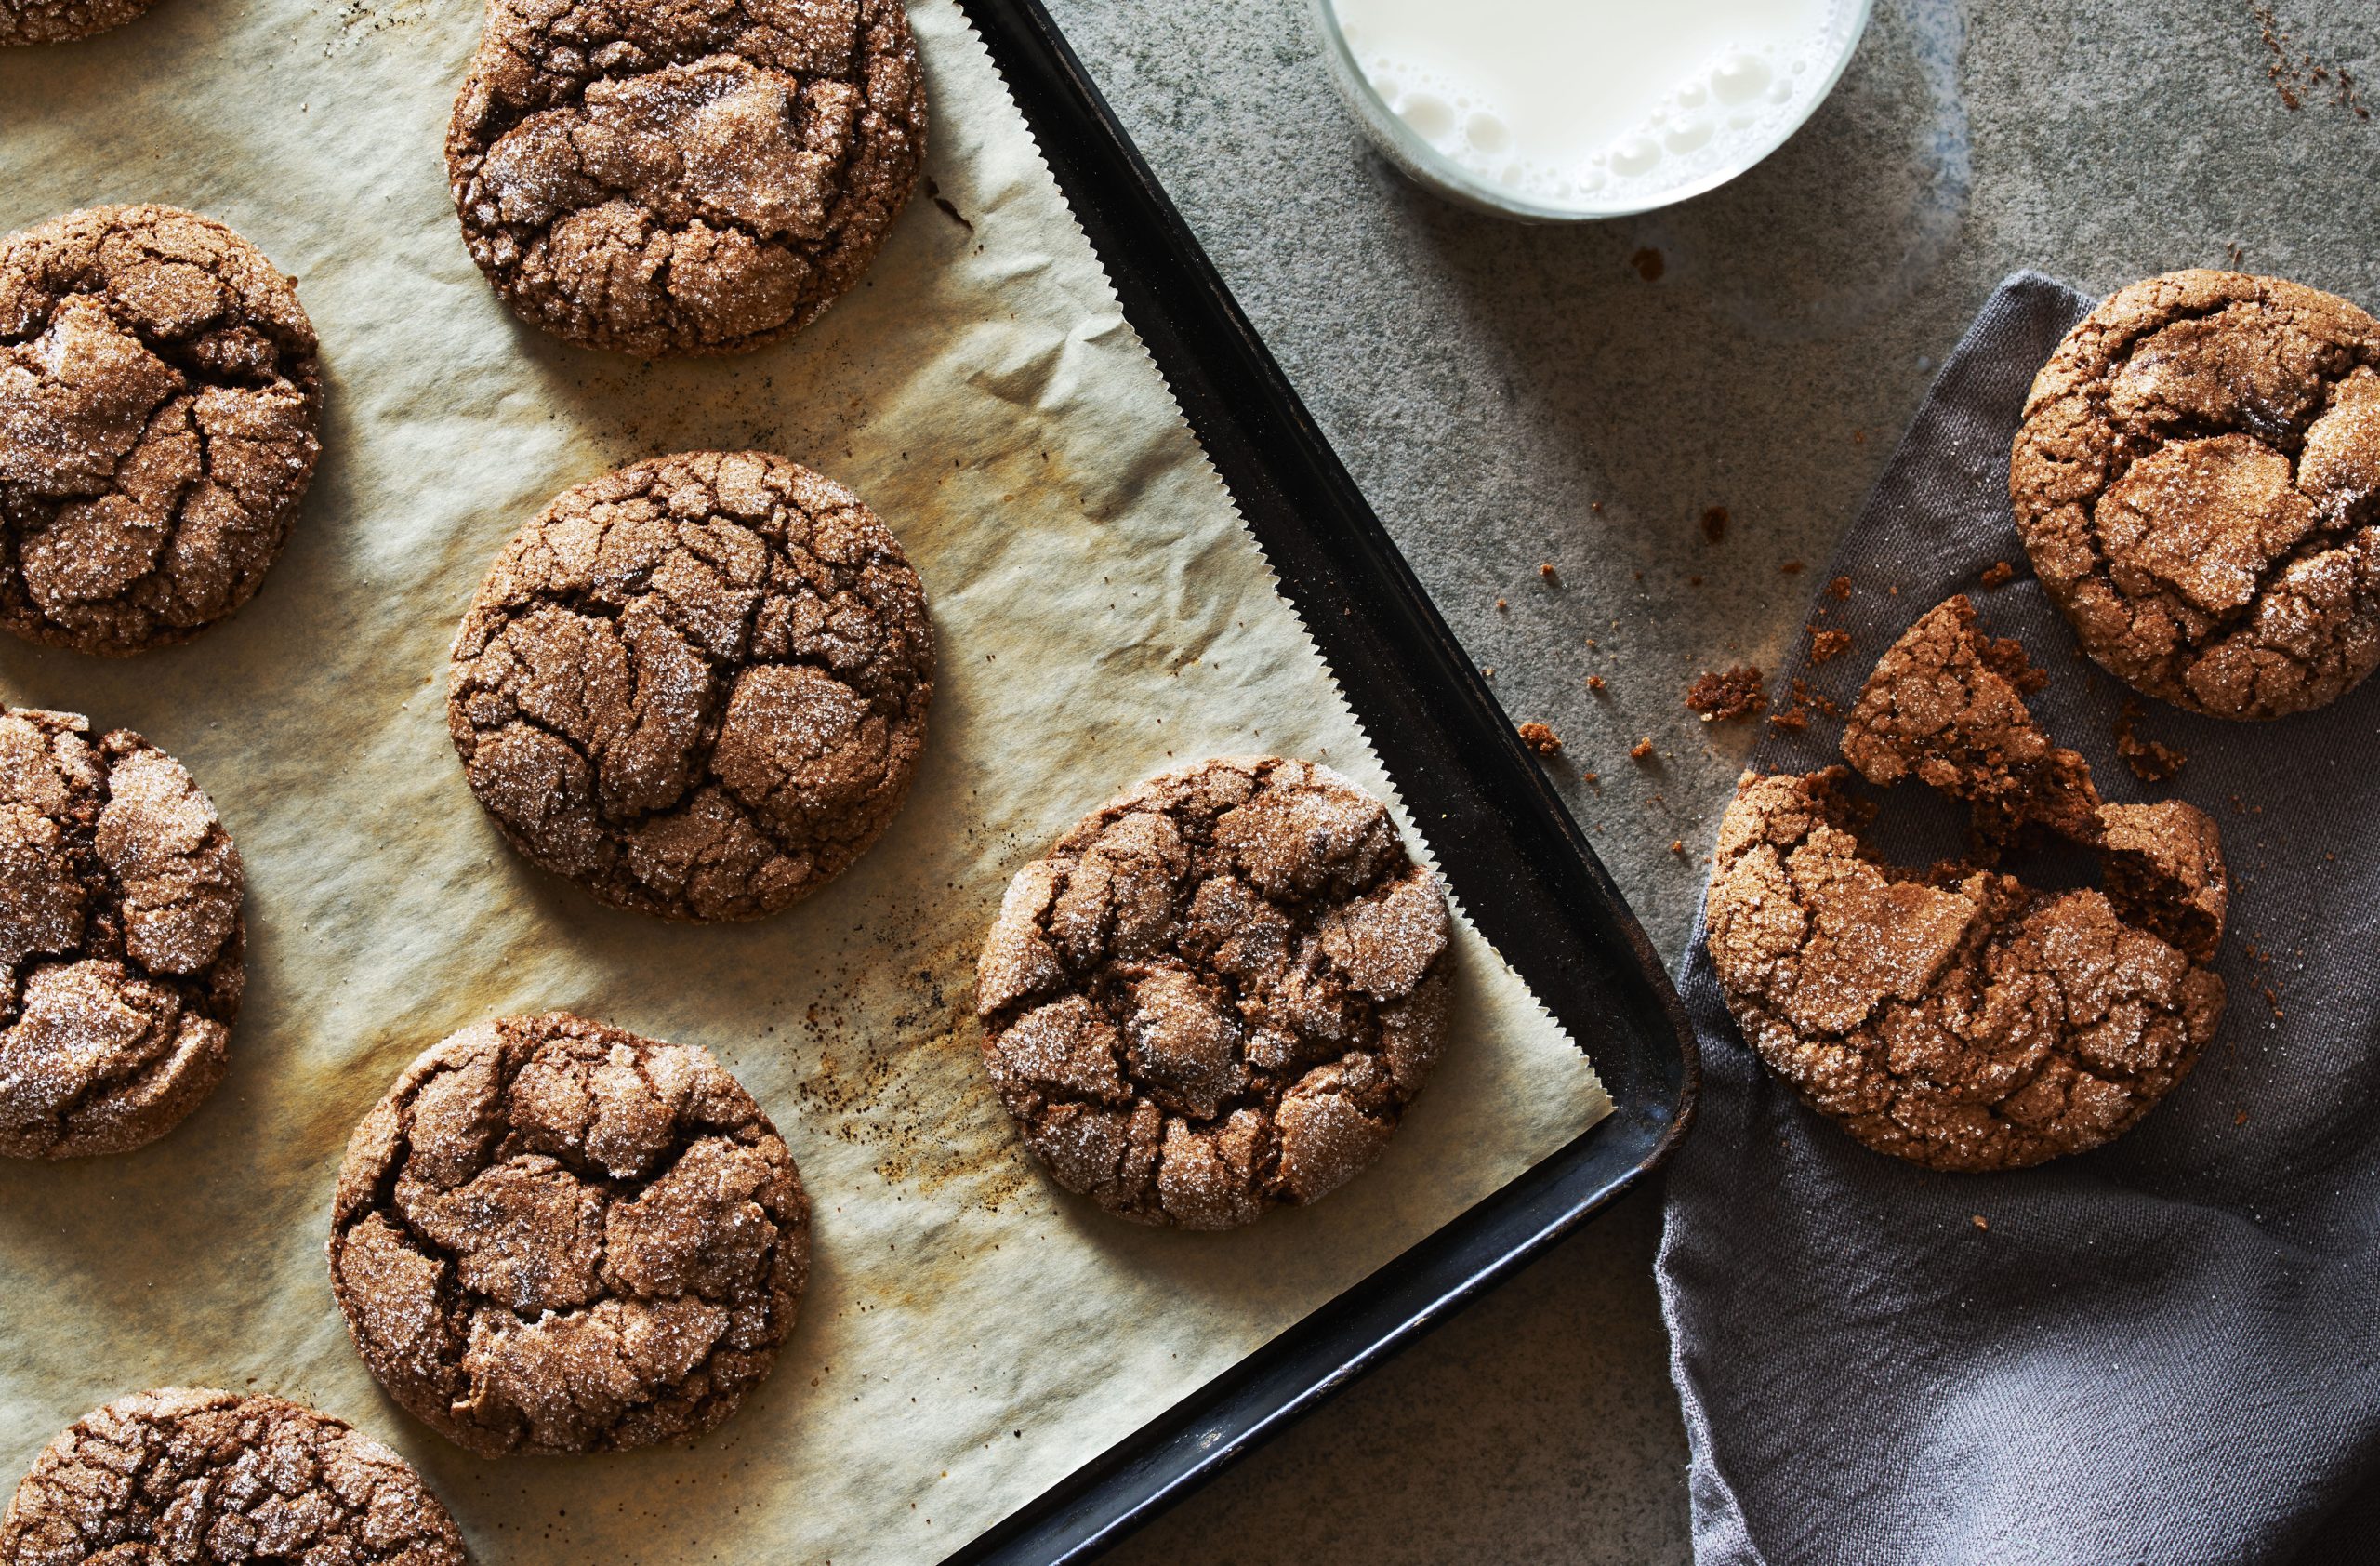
<point>1963,1020</point>
<point>62,22</point>
<point>2196,480</point>
<point>556,1236</point>
<point>159,406</point>
<point>188,1474</point>
<point>666,176</point>
<point>697,687</point>
<point>1217,994</point>
<point>122,941</point>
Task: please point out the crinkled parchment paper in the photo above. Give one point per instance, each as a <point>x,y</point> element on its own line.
<point>970,1335</point>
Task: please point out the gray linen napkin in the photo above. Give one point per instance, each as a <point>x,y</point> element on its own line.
<point>2167,1350</point>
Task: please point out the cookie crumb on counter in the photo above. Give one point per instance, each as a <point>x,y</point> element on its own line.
<point>1677,845</point>
<point>1714,523</point>
<point>1643,750</point>
<point>1648,264</point>
<point>1980,1222</point>
<point>1998,574</point>
<point>2150,761</point>
<point>1825,643</point>
<point>1545,569</point>
<point>1736,693</point>
<point>1591,777</point>
<point>1791,569</point>
<point>1594,682</point>
<point>1540,738</point>
<point>1501,605</point>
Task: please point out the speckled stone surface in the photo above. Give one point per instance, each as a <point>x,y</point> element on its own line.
<point>1491,385</point>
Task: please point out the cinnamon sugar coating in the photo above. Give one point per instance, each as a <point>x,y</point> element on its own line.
<point>195,1475</point>
<point>158,400</point>
<point>697,687</point>
<point>121,939</point>
<point>556,1236</point>
<point>2196,480</point>
<point>1217,994</point>
<point>684,176</point>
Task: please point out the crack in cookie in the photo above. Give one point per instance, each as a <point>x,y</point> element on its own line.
<point>122,941</point>
<point>686,176</point>
<point>2197,481</point>
<point>1217,994</point>
<point>697,687</point>
<point>158,400</point>
<point>556,1236</point>
<point>186,1474</point>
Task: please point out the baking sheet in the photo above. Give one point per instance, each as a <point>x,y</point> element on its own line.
<point>971,1335</point>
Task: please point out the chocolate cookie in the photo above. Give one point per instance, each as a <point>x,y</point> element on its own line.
<point>1947,704</point>
<point>1217,994</point>
<point>185,1475</point>
<point>1964,1021</point>
<point>60,22</point>
<point>697,687</point>
<point>159,401</point>
<point>683,177</point>
<point>556,1236</point>
<point>121,939</point>
<point>2196,480</point>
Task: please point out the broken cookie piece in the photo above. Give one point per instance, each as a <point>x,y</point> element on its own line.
<point>1966,1022</point>
<point>1946,705</point>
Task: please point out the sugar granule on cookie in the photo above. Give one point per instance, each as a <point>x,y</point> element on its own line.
<point>556,1236</point>
<point>697,687</point>
<point>121,935</point>
<point>685,178</point>
<point>159,407</point>
<point>2197,481</point>
<point>1217,994</point>
<point>189,1474</point>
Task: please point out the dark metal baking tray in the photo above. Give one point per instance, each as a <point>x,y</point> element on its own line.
<point>1508,847</point>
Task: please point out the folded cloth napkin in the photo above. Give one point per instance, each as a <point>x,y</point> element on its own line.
<point>2167,1350</point>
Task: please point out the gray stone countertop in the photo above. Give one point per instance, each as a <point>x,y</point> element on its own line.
<point>1511,397</point>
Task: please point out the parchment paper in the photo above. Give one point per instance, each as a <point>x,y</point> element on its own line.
<point>971,1335</point>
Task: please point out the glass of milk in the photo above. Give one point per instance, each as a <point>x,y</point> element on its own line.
<point>1561,111</point>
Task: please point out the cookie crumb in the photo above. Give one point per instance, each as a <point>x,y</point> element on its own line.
<point>1736,693</point>
<point>1501,605</point>
<point>1998,574</point>
<point>1825,643</point>
<point>2240,1119</point>
<point>1648,264</point>
<point>1540,738</point>
<point>1677,845</point>
<point>1714,523</point>
<point>1590,777</point>
<point>2150,761</point>
<point>1980,1222</point>
<point>1545,569</point>
<point>1642,750</point>
<point>1594,682</point>
<point>1791,569</point>
<point>1839,588</point>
